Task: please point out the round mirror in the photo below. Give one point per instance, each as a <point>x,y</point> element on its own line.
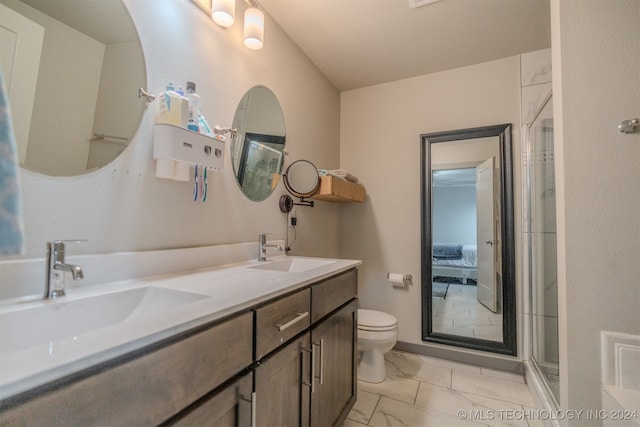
<point>257,149</point>
<point>73,69</point>
<point>301,179</point>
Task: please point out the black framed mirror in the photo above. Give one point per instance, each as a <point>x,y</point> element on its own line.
<point>468,244</point>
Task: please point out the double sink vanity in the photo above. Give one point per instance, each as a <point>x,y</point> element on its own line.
<point>244,343</point>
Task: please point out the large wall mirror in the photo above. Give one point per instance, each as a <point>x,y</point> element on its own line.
<point>257,146</point>
<point>468,258</point>
<point>72,70</point>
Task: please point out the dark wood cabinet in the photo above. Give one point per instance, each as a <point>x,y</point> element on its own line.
<point>142,388</point>
<point>282,386</point>
<point>310,381</point>
<point>290,361</point>
<point>229,407</point>
<point>335,373</point>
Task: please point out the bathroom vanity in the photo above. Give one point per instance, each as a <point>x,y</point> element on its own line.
<point>280,351</point>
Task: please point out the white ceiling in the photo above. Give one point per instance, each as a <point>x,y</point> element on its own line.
<point>358,43</point>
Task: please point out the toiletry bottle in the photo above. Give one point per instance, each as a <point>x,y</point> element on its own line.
<point>172,107</point>
<point>194,107</point>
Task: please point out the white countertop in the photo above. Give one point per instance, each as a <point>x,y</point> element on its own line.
<point>228,289</point>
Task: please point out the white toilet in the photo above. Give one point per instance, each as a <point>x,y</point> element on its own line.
<point>377,334</point>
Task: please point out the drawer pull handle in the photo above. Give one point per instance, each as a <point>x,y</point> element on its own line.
<point>321,361</point>
<point>313,368</point>
<point>252,400</point>
<point>299,316</point>
<point>254,407</point>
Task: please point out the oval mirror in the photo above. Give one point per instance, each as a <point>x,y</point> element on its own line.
<point>257,149</point>
<point>302,179</point>
<point>73,69</point>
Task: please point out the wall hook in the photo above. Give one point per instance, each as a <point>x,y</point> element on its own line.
<point>147,96</point>
<point>628,126</point>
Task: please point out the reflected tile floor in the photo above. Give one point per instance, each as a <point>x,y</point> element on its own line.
<point>460,313</point>
<point>425,391</point>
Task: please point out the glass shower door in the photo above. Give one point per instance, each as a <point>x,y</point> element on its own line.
<point>542,247</point>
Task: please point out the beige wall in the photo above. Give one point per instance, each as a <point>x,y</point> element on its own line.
<point>123,207</point>
<point>380,129</point>
<point>596,65</point>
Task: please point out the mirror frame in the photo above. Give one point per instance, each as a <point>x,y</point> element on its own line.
<point>293,191</point>
<point>508,345</point>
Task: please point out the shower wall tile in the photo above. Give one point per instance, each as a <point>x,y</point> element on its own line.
<point>532,99</point>
<point>535,67</point>
<point>545,294</point>
<point>544,188</point>
<point>545,345</point>
<point>550,274</point>
<point>551,340</point>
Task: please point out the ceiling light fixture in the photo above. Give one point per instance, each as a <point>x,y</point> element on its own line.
<point>253,28</point>
<point>223,12</point>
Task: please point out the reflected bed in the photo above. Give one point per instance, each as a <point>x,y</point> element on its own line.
<point>455,260</point>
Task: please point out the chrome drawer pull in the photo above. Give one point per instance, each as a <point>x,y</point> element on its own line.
<point>299,316</point>
<point>252,400</point>
<point>254,407</point>
<point>313,369</point>
<point>321,361</point>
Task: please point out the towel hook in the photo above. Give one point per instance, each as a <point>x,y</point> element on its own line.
<point>146,96</point>
<point>628,126</point>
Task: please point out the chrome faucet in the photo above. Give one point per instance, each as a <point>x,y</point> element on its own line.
<point>262,247</point>
<point>56,267</point>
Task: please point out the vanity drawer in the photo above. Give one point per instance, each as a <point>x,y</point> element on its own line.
<point>281,320</point>
<point>332,293</point>
<point>147,389</point>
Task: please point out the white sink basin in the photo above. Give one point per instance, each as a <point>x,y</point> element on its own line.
<point>294,265</point>
<point>51,321</point>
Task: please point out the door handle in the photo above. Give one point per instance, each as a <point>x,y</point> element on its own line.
<point>489,242</point>
<point>313,369</point>
<point>252,400</point>
<point>321,361</point>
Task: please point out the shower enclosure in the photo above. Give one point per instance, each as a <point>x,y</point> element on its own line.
<point>540,249</point>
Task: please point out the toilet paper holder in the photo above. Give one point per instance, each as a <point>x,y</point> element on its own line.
<point>400,279</point>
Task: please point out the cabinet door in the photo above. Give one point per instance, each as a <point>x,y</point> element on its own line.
<point>334,346</point>
<point>229,407</point>
<point>282,398</point>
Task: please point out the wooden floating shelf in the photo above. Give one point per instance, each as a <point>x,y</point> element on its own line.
<point>334,189</point>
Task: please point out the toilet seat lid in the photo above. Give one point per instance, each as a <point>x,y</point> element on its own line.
<point>375,320</point>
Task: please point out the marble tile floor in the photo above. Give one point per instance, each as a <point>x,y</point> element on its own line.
<point>424,391</point>
<point>460,313</point>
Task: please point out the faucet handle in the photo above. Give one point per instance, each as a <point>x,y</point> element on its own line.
<point>59,245</point>
<point>262,237</point>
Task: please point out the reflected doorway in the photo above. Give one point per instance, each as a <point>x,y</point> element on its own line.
<point>464,288</point>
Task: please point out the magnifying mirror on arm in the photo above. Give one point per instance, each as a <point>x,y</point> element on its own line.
<point>301,179</point>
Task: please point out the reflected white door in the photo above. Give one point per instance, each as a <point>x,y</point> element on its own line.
<point>487,292</point>
<point>20,48</point>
